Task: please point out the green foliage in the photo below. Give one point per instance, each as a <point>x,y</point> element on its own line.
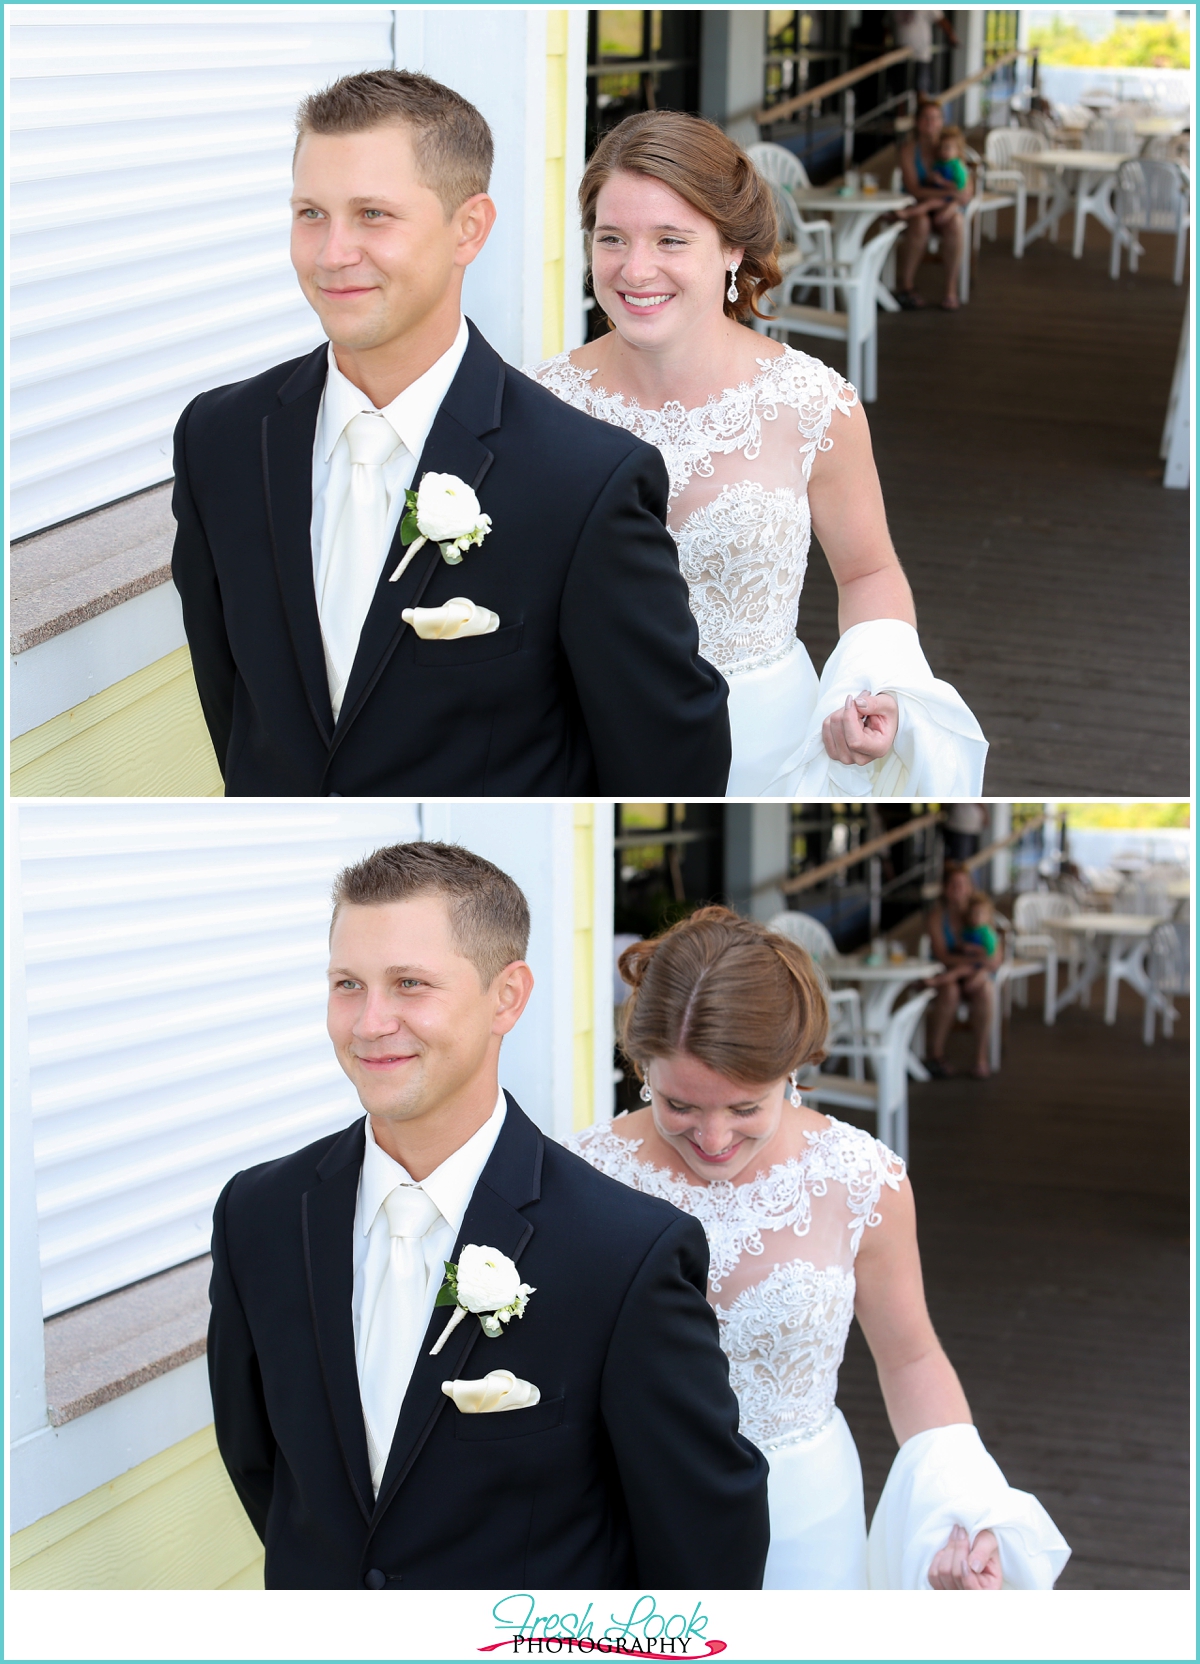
<point>1161,44</point>
<point>1141,817</point>
<point>448,1293</point>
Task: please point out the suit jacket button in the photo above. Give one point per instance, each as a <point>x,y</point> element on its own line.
<point>375,1579</point>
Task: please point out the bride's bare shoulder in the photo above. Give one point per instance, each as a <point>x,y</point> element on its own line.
<point>633,1125</point>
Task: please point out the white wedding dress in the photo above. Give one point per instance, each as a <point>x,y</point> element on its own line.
<point>782,1248</point>
<point>739,468</point>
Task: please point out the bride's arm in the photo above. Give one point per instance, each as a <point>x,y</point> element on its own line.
<point>920,1388</point>
<point>850,523</point>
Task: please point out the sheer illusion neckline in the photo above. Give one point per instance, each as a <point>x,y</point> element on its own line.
<point>627,402</point>
<point>746,1187</point>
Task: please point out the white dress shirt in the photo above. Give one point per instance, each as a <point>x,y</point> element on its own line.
<point>411,414</point>
<point>449,1187</point>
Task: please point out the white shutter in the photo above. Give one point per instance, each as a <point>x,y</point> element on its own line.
<point>175,966</point>
<point>149,156</point>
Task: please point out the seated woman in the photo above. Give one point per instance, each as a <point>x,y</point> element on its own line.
<point>938,209</point>
<point>968,975</point>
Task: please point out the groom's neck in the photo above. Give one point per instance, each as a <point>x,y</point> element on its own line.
<point>383,372</point>
<point>422,1142</point>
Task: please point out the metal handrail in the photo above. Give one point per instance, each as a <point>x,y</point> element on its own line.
<point>853,857</point>
<point>781,112</point>
<point>959,87</point>
<point>978,860</point>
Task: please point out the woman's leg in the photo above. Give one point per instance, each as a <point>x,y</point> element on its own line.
<point>949,227</point>
<point>940,1019</point>
<point>912,247</point>
<point>981,991</point>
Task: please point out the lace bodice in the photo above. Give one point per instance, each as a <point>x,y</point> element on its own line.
<point>781,1275</point>
<point>739,468</point>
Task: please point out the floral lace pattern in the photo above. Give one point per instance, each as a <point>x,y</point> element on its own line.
<point>745,526</point>
<point>784,1329</point>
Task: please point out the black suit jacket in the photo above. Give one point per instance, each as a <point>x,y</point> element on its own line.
<point>629,1473</point>
<point>591,684</point>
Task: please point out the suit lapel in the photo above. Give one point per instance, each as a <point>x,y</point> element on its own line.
<point>471,408</point>
<point>288,435</point>
<point>510,1180</point>
<point>327,1216</point>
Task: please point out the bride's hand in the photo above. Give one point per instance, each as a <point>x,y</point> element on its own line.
<point>951,1566</point>
<point>863,730</point>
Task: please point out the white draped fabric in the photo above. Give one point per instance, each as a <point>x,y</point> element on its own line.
<point>739,468</point>
<point>782,1246</point>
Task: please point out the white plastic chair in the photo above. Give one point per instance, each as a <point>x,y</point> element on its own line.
<point>778,166</point>
<point>845,1004</point>
<point>1150,196</point>
<point>1004,170</point>
<point>886,1097</point>
<point>1111,134</point>
<point>1168,972</point>
<point>1012,972</point>
<point>857,326</point>
<point>1035,938</point>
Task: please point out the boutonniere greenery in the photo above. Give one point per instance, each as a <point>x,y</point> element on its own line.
<point>486,1283</point>
<point>443,510</point>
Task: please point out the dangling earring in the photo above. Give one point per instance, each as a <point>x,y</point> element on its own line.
<point>645,1094</point>
<point>732,292</point>
<point>794,1097</point>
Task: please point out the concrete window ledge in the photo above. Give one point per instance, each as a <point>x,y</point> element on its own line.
<point>74,572</point>
<point>100,1351</point>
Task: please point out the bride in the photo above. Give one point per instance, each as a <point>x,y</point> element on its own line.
<point>763,446</point>
<point>809,1222</point>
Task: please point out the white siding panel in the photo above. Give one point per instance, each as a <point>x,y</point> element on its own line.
<point>175,959</point>
<point>150,156</point>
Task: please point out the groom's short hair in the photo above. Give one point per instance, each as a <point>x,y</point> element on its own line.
<point>489,916</point>
<point>451,141</point>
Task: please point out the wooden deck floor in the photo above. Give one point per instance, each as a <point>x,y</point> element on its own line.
<point>1052,1205</point>
<point>1017,442</point>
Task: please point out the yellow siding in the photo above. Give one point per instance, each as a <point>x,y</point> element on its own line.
<point>173,1522</point>
<point>554,245</point>
<point>583,1021</point>
<point>142,737</point>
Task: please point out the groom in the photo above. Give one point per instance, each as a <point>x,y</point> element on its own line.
<point>619,1464</point>
<point>569,663</point>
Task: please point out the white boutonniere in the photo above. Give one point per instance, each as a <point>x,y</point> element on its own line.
<point>485,1282</point>
<point>443,510</point>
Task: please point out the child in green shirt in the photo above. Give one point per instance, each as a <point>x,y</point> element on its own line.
<point>950,165</point>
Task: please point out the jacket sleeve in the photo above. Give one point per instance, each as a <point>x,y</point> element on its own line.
<point>243,1430</point>
<point>654,710</point>
<point>694,1488</point>
<point>195,576</point>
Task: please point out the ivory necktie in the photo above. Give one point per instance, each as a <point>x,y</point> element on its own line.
<point>398,1322</point>
<point>356,552</point>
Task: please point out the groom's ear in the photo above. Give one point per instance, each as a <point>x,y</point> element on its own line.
<point>511,991</point>
<point>474,218</point>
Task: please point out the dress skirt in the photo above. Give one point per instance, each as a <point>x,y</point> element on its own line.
<point>818,1523</point>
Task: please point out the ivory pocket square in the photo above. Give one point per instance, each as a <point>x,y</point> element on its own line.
<point>499,1390</point>
<point>457,617</point>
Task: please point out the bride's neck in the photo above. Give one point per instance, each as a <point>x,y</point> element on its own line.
<point>690,371</point>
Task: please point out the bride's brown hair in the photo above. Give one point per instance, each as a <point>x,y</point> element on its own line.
<point>727,991</point>
<point>699,162</point>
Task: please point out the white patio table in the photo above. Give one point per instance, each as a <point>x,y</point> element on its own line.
<point>851,218</point>
<point>1091,193</point>
<point>1123,938</point>
<point>881,986</point>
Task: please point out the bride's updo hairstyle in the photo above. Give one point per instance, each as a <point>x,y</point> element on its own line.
<point>699,162</point>
<point>727,991</point>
